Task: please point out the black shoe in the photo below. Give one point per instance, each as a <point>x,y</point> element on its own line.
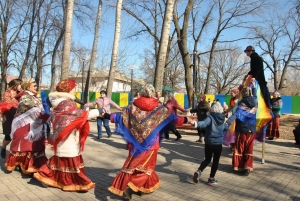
<point>141,193</point>
<point>128,193</point>
<point>98,137</point>
<point>178,138</point>
<point>44,185</point>
<point>270,138</point>
<point>247,172</point>
<point>108,136</point>
<point>3,153</point>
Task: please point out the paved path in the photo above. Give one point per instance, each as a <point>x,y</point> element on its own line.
<point>277,179</point>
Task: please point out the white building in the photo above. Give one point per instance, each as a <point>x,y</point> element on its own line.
<point>99,79</point>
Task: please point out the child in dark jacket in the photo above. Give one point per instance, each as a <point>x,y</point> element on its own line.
<point>214,127</point>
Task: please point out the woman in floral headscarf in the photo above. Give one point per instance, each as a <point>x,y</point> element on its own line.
<point>8,107</point>
<point>27,146</point>
<point>65,169</point>
<point>273,128</point>
<point>140,125</point>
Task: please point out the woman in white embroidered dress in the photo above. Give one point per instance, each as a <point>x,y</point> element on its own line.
<point>65,169</point>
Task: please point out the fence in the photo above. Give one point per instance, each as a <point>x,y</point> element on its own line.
<point>290,103</point>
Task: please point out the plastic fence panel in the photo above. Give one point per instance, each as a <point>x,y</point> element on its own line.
<point>186,101</point>
<point>180,99</point>
<point>295,104</point>
<point>227,99</point>
<point>92,96</point>
<point>287,105</point>
<point>78,95</point>
<point>123,99</point>
<point>116,98</point>
<point>211,97</point>
<point>221,99</point>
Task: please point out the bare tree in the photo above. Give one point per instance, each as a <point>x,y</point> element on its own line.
<point>146,14</point>
<point>174,69</point>
<point>182,41</point>
<point>34,12</point>
<point>163,47</point>
<point>230,66</point>
<point>94,52</point>
<point>114,54</point>
<point>11,24</point>
<point>59,22</point>
<point>269,36</point>
<point>292,79</point>
<point>67,40</point>
<point>230,15</point>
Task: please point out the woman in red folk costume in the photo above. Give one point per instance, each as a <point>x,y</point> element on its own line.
<point>65,169</point>
<point>8,107</point>
<point>27,146</point>
<point>140,125</point>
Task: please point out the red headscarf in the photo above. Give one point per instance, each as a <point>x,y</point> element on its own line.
<point>65,86</point>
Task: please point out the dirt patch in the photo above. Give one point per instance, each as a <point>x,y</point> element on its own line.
<point>287,125</point>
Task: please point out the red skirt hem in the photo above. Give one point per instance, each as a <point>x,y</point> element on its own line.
<point>29,161</point>
<point>65,173</point>
<point>138,174</point>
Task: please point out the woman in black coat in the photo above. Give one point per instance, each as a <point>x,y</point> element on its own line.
<point>201,109</point>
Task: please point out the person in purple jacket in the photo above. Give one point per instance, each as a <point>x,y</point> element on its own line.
<point>103,102</point>
<point>172,106</point>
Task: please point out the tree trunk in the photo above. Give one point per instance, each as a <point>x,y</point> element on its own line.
<point>4,63</point>
<point>53,60</point>
<point>67,40</point>
<point>30,38</point>
<point>114,54</point>
<point>163,46</point>
<point>40,47</point>
<point>94,53</point>
<point>183,47</point>
<point>210,68</point>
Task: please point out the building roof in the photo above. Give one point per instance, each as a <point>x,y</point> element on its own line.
<point>11,77</point>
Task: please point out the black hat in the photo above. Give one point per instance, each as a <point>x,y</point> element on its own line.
<point>249,48</point>
<point>103,92</point>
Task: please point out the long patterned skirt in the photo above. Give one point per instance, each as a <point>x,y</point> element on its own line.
<point>243,152</point>
<point>30,156</point>
<point>273,128</point>
<point>66,173</point>
<point>138,174</point>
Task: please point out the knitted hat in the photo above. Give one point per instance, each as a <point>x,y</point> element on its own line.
<point>65,86</point>
<point>246,91</point>
<point>202,96</point>
<point>171,95</point>
<point>103,92</point>
<point>217,108</point>
<point>249,48</point>
<point>147,91</point>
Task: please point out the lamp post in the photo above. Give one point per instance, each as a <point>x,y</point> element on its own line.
<point>194,77</point>
<point>82,90</point>
<point>131,79</point>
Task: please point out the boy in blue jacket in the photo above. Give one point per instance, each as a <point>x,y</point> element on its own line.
<point>214,125</point>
